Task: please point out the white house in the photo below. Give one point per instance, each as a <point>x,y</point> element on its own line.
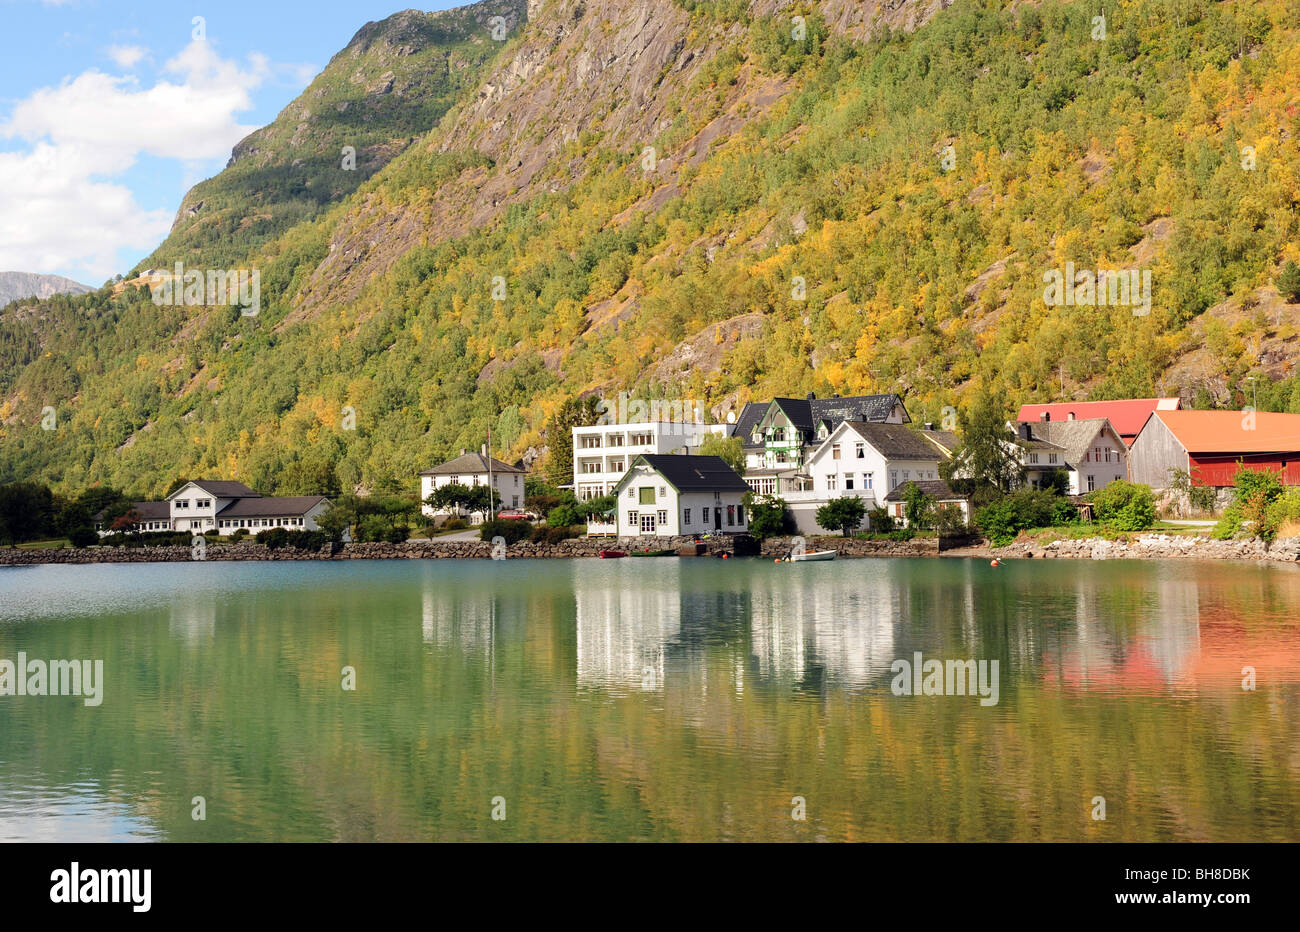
<point>225,506</point>
<point>857,458</point>
<point>472,470</point>
<point>602,452</point>
<point>673,494</point>
<point>1091,451</point>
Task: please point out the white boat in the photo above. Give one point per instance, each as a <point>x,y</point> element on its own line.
<point>812,555</point>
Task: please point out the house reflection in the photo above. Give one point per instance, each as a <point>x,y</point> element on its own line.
<point>627,616</point>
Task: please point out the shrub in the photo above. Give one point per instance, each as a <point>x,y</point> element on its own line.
<point>83,536</point>
<point>553,535</point>
<point>949,519</point>
<point>1283,514</point>
<point>768,516</point>
<point>273,539</point>
<point>1253,500</point>
<point>881,520</point>
<point>1001,521</point>
<point>564,515</point>
<point>512,531</point>
<point>454,523</point>
<point>1229,523</point>
<point>1125,506</point>
<point>239,534</point>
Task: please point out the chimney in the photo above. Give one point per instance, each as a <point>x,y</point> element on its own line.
<point>1070,416</point>
<point>483,451</point>
<point>929,425</point>
<point>1026,431</point>
<point>462,451</point>
<point>812,396</point>
<point>1045,417</point>
<point>835,395</point>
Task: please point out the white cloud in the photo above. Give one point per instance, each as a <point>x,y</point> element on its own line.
<point>127,56</point>
<point>59,205</point>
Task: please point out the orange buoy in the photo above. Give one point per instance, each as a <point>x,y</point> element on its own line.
<point>726,557</point>
<point>996,563</point>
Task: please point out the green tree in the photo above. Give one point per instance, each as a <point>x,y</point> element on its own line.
<point>1288,282</point>
<point>987,455</point>
<point>1124,506</point>
<point>768,516</point>
<point>730,449</point>
<point>574,412</point>
<point>842,514</point>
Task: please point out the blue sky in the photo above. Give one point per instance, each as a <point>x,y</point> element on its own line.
<point>110,110</point>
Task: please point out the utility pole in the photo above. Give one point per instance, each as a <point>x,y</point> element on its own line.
<point>492,505</point>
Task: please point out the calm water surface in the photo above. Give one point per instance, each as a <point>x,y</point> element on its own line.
<point>656,699</point>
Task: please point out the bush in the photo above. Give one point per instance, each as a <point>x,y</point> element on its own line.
<point>83,536</point>
<point>274,538</point>
<point>1125,506</point>
<point>564,515</point>
<point>1229,523</point>
<point>1253,503</point>
<point>768,516</point>
<point>842,514</point>
<point>881,520</point>
<point>1001,521</point>
<point>512,531</point>
<point>949,519</point>
<point>454,523</point>
<point>239,534</point>
<point>553,535</point>
<point>1283,514</point>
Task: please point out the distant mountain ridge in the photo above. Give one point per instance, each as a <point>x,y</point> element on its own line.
<point>16,285</point>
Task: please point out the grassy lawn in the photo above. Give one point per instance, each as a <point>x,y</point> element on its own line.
<point>58,544</point>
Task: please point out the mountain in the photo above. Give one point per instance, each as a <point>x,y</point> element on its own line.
<point>16,285</point>
<point>714,200</point>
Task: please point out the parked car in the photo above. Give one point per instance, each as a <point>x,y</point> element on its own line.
<point>514,515</point>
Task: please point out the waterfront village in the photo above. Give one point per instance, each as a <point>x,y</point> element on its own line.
<point>811,456</point>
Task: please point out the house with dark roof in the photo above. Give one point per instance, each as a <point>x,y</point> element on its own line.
<point>225,506</point>
<point>862,459</point>
<point>936,489</point>
<point>472,470</point>
<point>780,435</point>
<point>1091,451</point>
<point>673,494</point>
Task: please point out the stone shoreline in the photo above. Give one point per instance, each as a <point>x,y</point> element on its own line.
<point>1144,547</point>
<point>462,550</point>
<point>1151,547</point>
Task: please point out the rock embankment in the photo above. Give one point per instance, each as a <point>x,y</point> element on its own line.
<point>1157,547</point>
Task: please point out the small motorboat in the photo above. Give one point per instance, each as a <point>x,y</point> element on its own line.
<point>612,554</point>
<point>653,553</point>
<point>811,556</point>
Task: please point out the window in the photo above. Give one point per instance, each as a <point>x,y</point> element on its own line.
<point>631,493</point>
<point>663,518</point>
<point>848,480</point>
<point>616,465</point>
<point>868,480</point>
<point>182,503</point>
<point>778,434</point>
<point>641,440</point>
<point>835,451</point>
<point>614,440</point>
<point>686,516</point>
<point>454,480</point>
<point>647,495</point>
<point>647,524</point>
<point>591,466</point>
<point>740,514</point>
<point>589,443</point>
<point>1051,457</point>
<point>663,492</point>
<point>893,479</point>
<point>633,519</point>
<point>514,501</point>
<point>860,450</point>
<point>731,516</point>
<point>831,482</point>
<point>780,458</point>
<point>1033,457</point>
<point>1092,483</point>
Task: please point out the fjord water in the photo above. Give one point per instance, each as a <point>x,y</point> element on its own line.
<point>658,699</point>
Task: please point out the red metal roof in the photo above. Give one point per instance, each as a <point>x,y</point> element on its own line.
<point>1126,416</point>
<point>1234,432</point>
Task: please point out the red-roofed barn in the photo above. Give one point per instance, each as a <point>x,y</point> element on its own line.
<point>1126,416</point>
<point>1208,445</point>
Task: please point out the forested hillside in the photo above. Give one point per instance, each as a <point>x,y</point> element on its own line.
<point>720,201</point>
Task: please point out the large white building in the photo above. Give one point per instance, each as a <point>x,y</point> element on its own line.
<point>1091,451</point>
<point>602,453</point>
<point>669,495</point>
<point>861,459</point>
<point>471,470</point>
<point>224,506</point>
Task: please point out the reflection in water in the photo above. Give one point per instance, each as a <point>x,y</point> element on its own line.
<point>654,699</point>
<point>624,628</point>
